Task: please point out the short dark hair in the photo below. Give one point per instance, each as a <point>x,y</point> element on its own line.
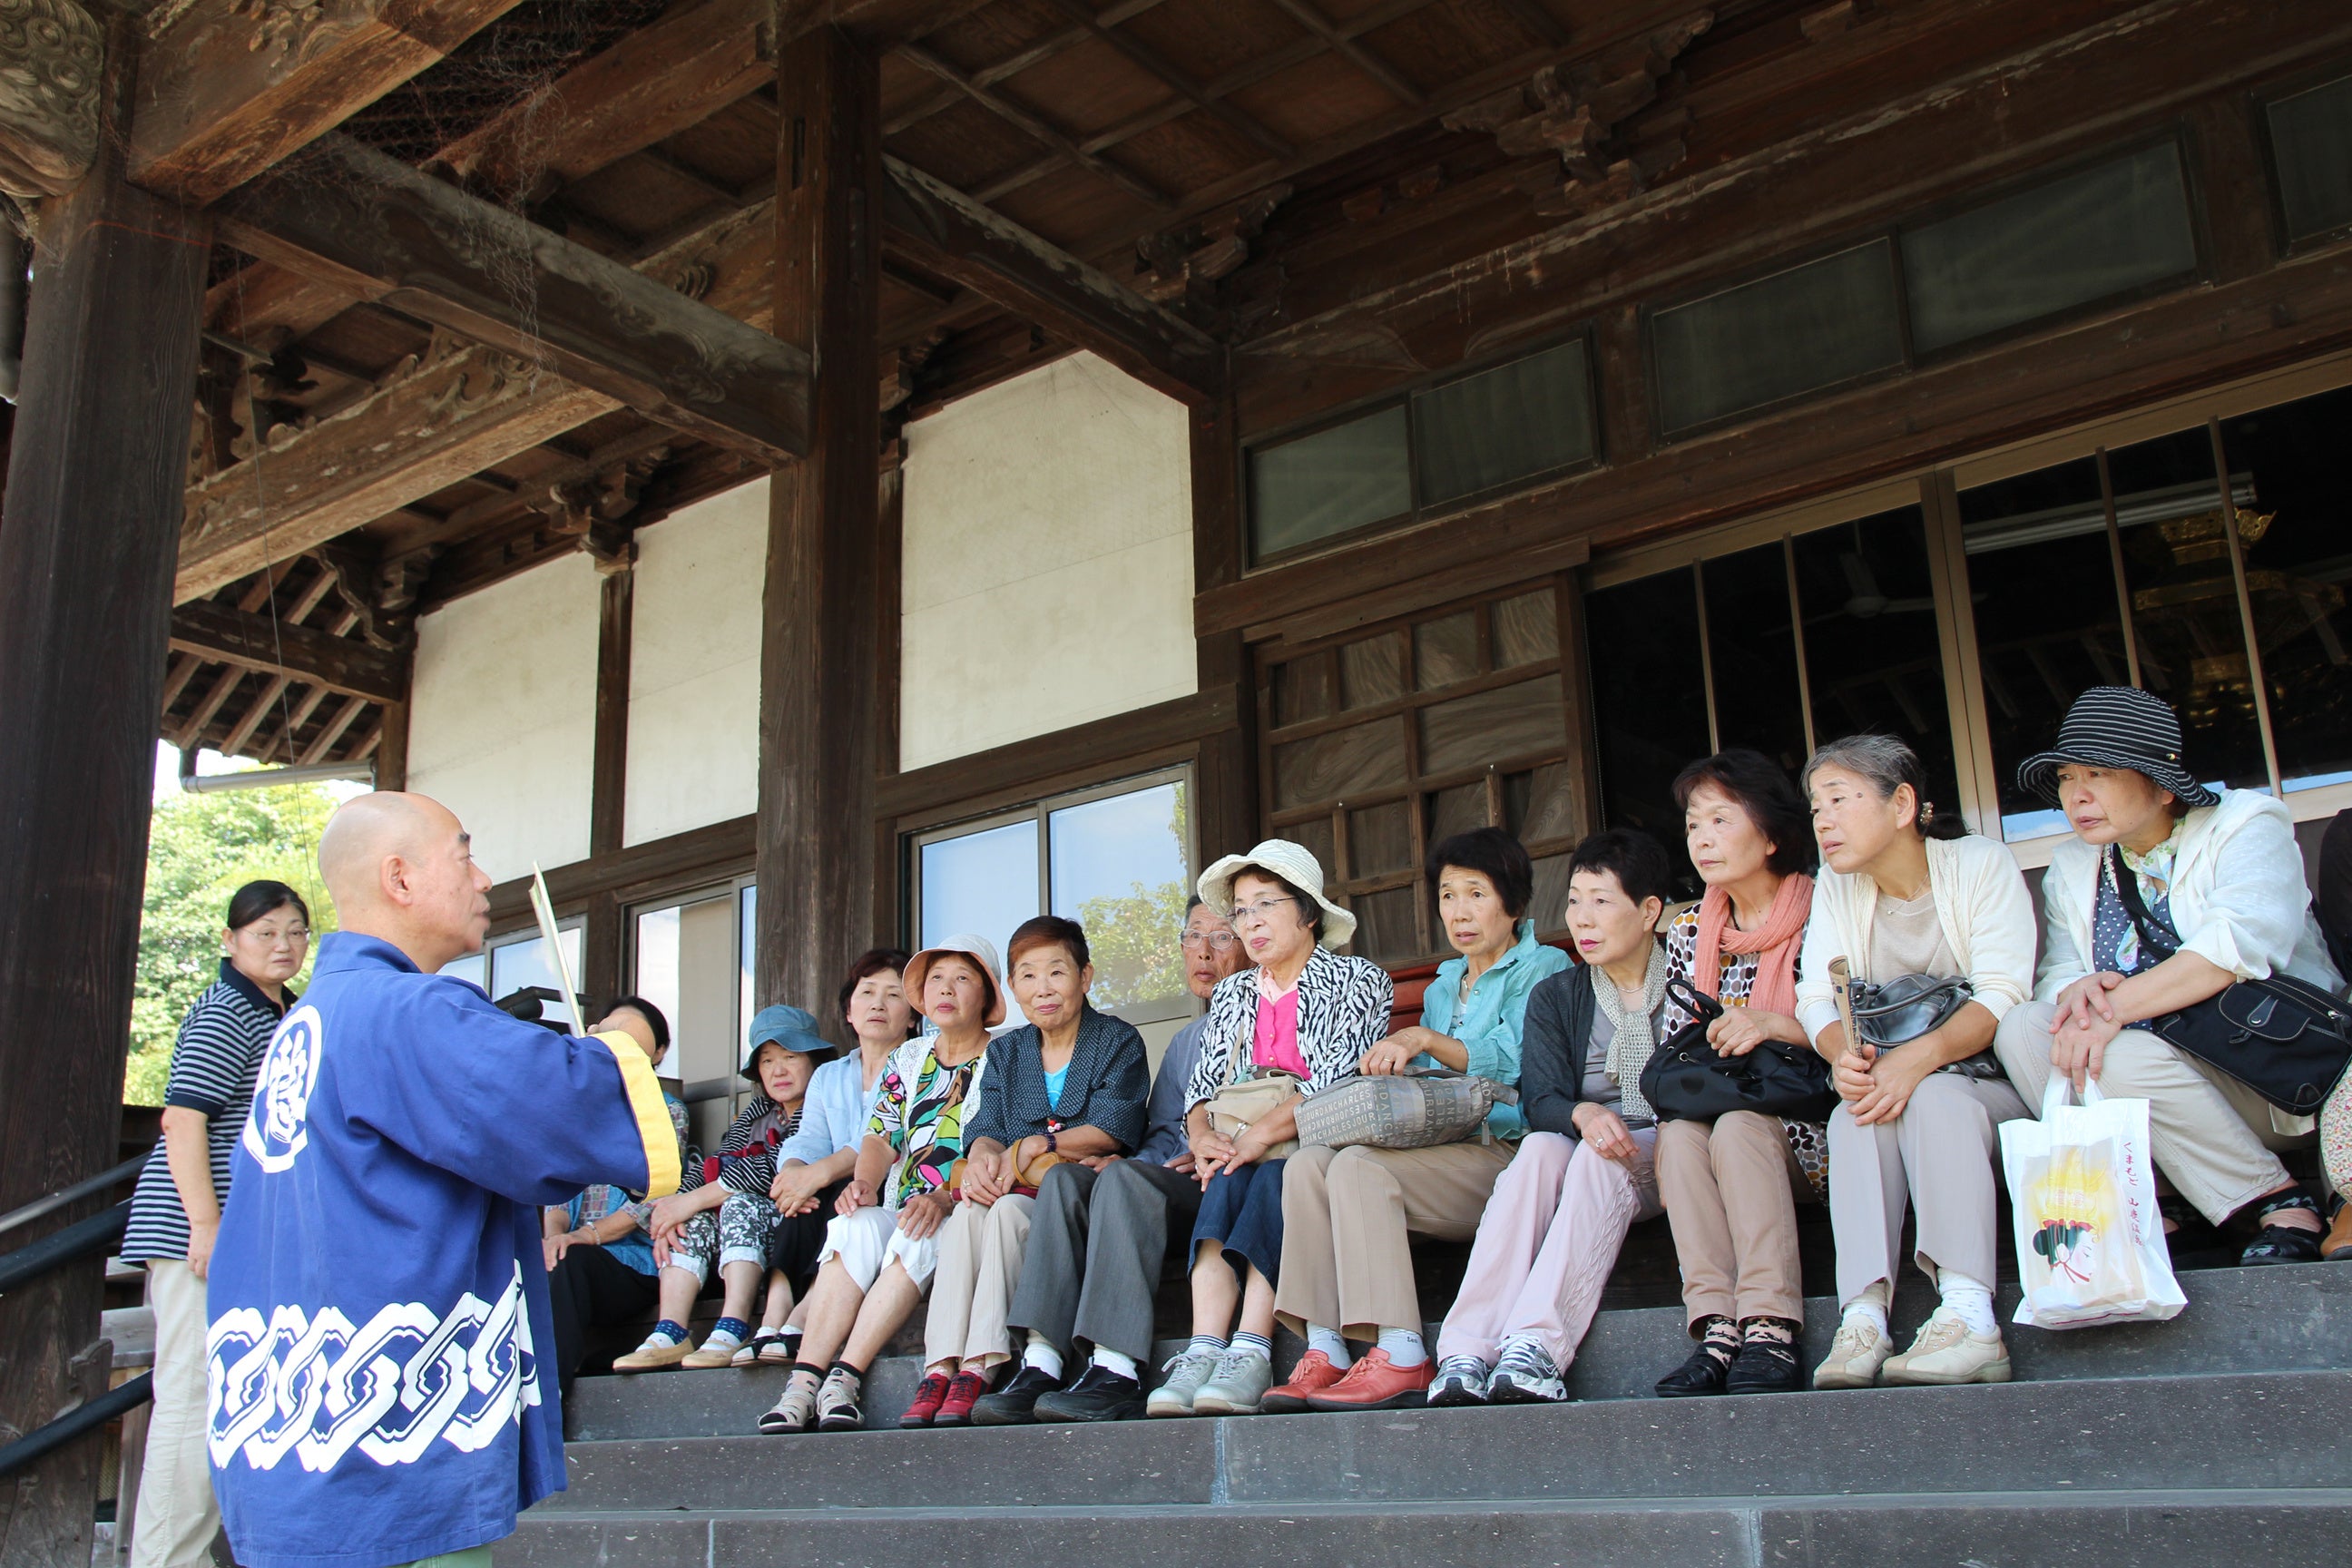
<point>1768,796</point>
<point>1041,930</point>
<point>255,900</point>
<point>873,961</point>
<point>649,1012</point>
<point>1290,890</point>
<point>1493,855</point>
<point>1637,860</point>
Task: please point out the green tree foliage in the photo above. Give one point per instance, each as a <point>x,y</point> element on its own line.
<point>200,850</point>
<point>1134,936</point>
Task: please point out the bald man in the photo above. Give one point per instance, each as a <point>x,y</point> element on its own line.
<point>378,1292</point>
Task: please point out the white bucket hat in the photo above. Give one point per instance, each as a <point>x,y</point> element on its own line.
<point>978,948</point>
<point>1295,864</point>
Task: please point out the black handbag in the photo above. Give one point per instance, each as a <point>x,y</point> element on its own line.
<point>1687,1080</point>
<point>2285,1039</point>
<point>1907,1007</point>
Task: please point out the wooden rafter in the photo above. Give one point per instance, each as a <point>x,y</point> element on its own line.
<point>1308,15</point>
<point>1158,65</point>
<point>1015,114</point>
<point>324,741</point>
<point>1536,18</point>
<point>225,635</point>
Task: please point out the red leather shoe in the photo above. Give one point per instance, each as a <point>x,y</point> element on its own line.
<point>929,1393</point>
<point>963,1392</point>
<point>1313,1374</point>
<point>1376,1383</point>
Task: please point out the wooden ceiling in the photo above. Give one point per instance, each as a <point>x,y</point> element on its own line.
<point>1235,160</point>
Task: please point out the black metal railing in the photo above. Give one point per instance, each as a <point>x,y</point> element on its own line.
<point>97,1233</point>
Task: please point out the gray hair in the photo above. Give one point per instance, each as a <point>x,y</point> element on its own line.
<point>1886,763</point>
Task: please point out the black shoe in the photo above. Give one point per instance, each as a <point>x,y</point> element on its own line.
<point>1701,1374</point>
<point>2281,1243</point>
<point>1764,1366</point>
<point>1099,1395</point>
<point>1011,1405</point>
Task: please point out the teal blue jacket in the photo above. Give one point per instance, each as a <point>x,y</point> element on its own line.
<point>1493,1024</point>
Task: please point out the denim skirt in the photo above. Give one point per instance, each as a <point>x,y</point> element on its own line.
<point>1241,1210</point>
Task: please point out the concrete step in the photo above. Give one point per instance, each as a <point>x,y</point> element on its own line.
<point>2290,1528</point>
<point>2238,1320</point>
<point>2248,1430</point>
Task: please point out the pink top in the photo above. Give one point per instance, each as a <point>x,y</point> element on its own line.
<point>1276,1042</point>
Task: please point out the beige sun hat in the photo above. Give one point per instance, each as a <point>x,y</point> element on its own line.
<point>1295,864</point>
<point>979,950</point>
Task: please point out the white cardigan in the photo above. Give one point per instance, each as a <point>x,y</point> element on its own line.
<point>2237,897</point>
<point>1980,903</point>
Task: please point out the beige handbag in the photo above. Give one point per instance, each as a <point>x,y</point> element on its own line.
<point>1239,1104</point>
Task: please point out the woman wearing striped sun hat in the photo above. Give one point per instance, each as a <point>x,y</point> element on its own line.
<point>2221,882</point>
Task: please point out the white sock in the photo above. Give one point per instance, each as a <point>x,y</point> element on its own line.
<point>1257,1346</point>
<point>1864,1309</point>
<point>1404,1347</point>
<point>1205,1344</point>
<point>1329,1341</point>
<point>1111,1361</point>
<point>1042,1355</point>
<point>1970,1299</point>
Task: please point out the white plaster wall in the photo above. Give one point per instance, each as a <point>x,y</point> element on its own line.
<point>1048,549</point>
<point>503,728</point>
<point>694,666</point>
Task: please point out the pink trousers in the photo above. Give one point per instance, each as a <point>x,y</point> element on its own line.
<point>1545,1245</point>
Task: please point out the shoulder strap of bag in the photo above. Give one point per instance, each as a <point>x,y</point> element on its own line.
<point>2151,935</point>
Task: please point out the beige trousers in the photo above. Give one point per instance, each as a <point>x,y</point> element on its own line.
<point>972,1291</point>
<point>177,1517</point>
<point>2212,1136</point>
<point>1731,1187</point>
<point>1346,1215</point>
<point>1937,1158</point>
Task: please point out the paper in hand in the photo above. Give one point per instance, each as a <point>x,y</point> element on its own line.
<point>544,908</point>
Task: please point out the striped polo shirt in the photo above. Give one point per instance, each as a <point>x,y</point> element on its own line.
<point>216,1065</point>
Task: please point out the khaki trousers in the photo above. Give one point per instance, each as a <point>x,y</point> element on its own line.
<point>2211,1135</point>
<point>177,1517</point>
<point>972,1291</point>
<point>1346,1215</point>
<point>1731,1189</point>
<point>1937,1157</point>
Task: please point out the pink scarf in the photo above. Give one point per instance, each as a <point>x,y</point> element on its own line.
<point>1777,939</point>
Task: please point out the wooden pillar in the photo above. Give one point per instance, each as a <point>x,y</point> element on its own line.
<point>88,539</point>
<point>605,938</point>
<point>1225,815</point>
<point>392,749</point>
<point>818,700</point>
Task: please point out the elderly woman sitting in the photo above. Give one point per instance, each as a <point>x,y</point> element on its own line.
<point>2220,883</point>
<point>882,1246</point>
<point>1302,1020</point>
<point>1069,1084</point>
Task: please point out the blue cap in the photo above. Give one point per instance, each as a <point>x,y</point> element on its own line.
<point>794,1028</point>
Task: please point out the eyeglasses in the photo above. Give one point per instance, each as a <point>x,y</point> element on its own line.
<point>1215,941</point>
<point>1260,911</point>
<point>272,938</point>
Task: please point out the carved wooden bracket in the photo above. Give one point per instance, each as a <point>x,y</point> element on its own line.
<point>1182,263</point>
<point>360,581</point>
<point>1579,111</point>
<point>51,55</point>
<point>596,509</point>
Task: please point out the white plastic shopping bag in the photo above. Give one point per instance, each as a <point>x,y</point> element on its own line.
<point>2090,1241</point>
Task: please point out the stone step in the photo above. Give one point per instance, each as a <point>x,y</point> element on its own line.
<point>2277,1318</point>
<point>2257,1430</point>
<point>2291,1528</point>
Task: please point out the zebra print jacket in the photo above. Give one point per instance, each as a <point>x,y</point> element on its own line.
<point>1343,1011</point>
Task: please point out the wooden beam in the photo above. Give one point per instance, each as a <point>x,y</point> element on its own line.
<point>324,741</point>
<point>817,681</point>
<point>676,864</point>
<point>1159,66</point>
<point>945,232</point>
<point>1028,765</point>
<point>346,214</point>
<point>654,83</point>
<point>392,749</point>
<point>232,87</point>
<point>1308,15</point>
<point>1014,64</point>
<point>99,452</point>
<point>1026,120</point>
<point>609,767</point>
<point>214,631</point>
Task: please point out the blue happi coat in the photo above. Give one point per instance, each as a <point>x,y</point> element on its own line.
<point>378,1291</point>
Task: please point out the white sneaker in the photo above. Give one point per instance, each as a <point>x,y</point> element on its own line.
<point>1236,1387</point>
<point>1948,1351</point>
<point>1859,1349</point>
<point>1525,1374</point>
<point>1187,1371</point>
<point>1461,1380</point>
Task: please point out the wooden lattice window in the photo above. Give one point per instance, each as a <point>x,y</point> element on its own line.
<point>1377,743</point>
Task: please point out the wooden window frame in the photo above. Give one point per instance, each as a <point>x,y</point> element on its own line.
<point>2283,243</point>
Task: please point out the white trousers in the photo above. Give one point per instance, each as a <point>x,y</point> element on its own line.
<point>868,1240</point>
<point>177,1517</point>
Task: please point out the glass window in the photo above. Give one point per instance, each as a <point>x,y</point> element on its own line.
<point>1804,329</point>
<point>1531,417</point>
<point>746,949</point>
<point>1116,860</point>
<point>1754,656</point>
<point>1332,482</point>
<point>2296,523</point>
<point>2311,145</point>
<point>2091,235</point>
<point>1118,867</point>
<point>1648,701</point>
<point>1872,655</point>
<point>523,961</point>
<point>474,967</point>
